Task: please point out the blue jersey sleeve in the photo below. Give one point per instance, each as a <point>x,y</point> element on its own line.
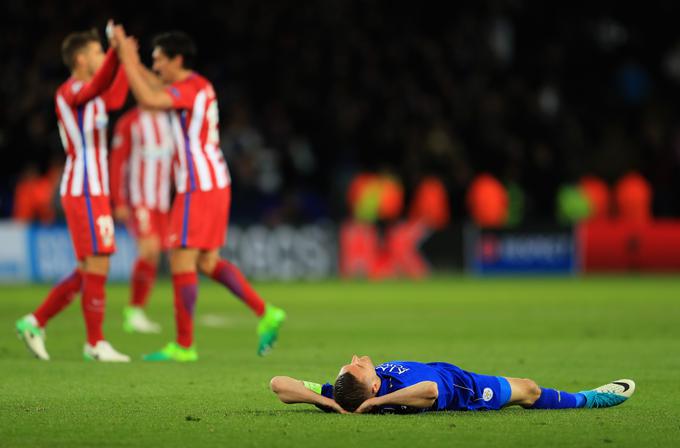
<point>326,391</point>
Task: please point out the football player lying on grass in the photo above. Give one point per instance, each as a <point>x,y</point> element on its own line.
<point>405,387</point>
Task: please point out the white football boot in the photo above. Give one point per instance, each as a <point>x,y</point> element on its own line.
<point>611,394</point>
<point>33,336</point>
<point>103,352</point>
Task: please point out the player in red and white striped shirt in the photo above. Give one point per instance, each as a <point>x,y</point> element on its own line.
<point>200,211</point>
<point>97,85</point>
<point>140,191</point>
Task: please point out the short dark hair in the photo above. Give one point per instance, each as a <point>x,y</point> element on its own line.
<point>75,42</point>
<point>349,392</point>
<point>176,43</point>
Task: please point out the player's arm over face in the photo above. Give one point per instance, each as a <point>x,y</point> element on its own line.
<point>421,395</point>
<point>290,390</point>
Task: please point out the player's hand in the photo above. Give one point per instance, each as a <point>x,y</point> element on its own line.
<point>337,408</point>
<point>333,406</point>
<point>128,50</point>
<point>121,213</point>
<point>367,406</point>
<point>135,44</point>
<point>117,37</point>
<point>109,34</point>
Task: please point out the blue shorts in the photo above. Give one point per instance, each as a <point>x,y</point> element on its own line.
<point>494,392</point>
<point>462,390</point>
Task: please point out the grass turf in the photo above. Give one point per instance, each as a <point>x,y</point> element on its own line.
<point>572,334</point>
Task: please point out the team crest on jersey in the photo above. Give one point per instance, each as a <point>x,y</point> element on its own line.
<point>487,395</point>
<point>76,86</point>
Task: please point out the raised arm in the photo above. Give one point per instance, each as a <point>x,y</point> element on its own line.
<point>100,82</point>
<point>145,94</point>
<point>422,395</point>
<point>289,390</point>
<point>115,96</point>
<point>151,78</point>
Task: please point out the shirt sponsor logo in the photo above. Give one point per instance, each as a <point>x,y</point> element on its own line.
<point>392,368</point>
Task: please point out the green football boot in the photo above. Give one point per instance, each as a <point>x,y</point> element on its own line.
<point>268,328</point>
<point>173,352</point>
<point>33,336</point>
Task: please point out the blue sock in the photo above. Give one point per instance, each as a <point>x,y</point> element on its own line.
<point>556,399</point>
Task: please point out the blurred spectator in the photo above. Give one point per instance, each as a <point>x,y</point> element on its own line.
<point>634,198</point>
<point>598,195</point>
<point>430,204</point>
<point>573,205</point>
<point>35,194</point>
<point>487,200</point>
<point>375,197</point>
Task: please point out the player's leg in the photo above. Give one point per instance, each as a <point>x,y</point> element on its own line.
<point>142,281</point>
<point>185,286</point>
<point>30,328</point>
<point>93,300</point>
<point>226,273</point>
<point>529,395</point>
<point>91,227</point>
<point>60,296</point>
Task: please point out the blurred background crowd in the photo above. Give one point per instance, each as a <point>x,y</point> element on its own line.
<point>385,109</point>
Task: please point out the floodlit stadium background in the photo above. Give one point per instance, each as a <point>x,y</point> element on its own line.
<point>536,120</point>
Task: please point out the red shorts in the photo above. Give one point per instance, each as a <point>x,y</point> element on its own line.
<point>199,220</point>
<point>146,223</point>
<point>90,225</point>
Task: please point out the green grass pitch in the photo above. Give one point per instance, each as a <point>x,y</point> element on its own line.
<point>572,334</point>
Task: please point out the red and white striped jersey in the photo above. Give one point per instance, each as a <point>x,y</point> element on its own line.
<point>82,118</point>
<point>141,154</point>
<point>198,162</point>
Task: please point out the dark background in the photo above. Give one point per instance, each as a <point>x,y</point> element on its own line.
<point>537,93</point>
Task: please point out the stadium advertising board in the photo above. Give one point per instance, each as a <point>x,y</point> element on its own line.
<point>284,252</point>
<point>14,260</point>
<point>44,253</point>
<point>531,251</point>
<point>620,246</point>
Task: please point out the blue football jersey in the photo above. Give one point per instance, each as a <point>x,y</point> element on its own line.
<point>457,388</point>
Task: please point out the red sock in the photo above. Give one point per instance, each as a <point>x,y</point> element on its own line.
<point>143,278</point>
<point>185,286</point>
<point>59,297</point>
<point>93,303</point>
<point>229,275</point>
